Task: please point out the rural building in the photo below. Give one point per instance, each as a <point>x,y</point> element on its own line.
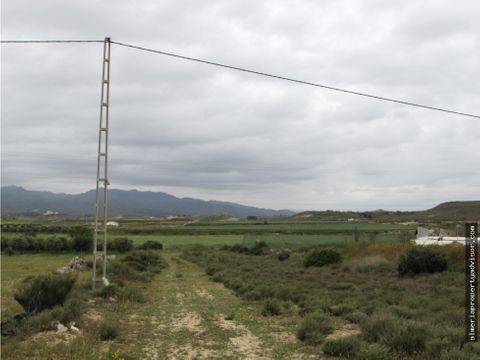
<point>424,238</point>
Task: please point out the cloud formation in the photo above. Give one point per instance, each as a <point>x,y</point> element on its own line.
<point>211,133</point>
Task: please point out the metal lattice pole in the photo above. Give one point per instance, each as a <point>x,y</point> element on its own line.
<point>101,200</point>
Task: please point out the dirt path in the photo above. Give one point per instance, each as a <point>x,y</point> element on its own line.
<point>190,317</point>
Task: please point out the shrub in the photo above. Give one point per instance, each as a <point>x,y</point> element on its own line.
<point>313,327</point>
<point>131,294</point>
<point>409,338</point>
<point>416,261</point>
<point>4,242</point>
<point>403,336</point>
<point>374,352</point>
<point>44,291</point>
<point>151,245</point>
<point>272,307</point>
<point>340,309</point>
<point>20,244</point>
<point>121,244</point>
<point>283,255</point>
<point>377,326</point>
<point>346,347</point>
<point>371,264</point>
<point>107,332</point>
<point>57,244</point>
<point>107,291</point>
<point>356,317</point>
<point>82,238</point>
<point>142,260</point>
<point>322,257</point>
<point>8,251</point>
<point>259,248</point>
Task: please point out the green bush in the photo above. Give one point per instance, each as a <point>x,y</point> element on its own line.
<point>259,248</point>
<point>131,294</point>
<point>272,307</point>
<point>374,352</point>
<point>4,243</point>
<point>283,255</point>
<point>142,260</point>
<point>409,338</point>
<point>377,326</point>
<point>238,248</point>
<point>340,309</point>
<point>82,238</point>
<point>57,244</point>
<point>356,317</point>
<point>151,245</point>
<point>416,261</point>
<point>121,244</point>
<point>108,331</point>
<point>403,336</point>
<point>345,347</point>
<point>371,264</point>
<point>44,291</point>
<point>107,291</point>
<point>322,257</point>
<point>313,328</point>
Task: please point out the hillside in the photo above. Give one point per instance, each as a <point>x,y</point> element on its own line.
<point>452,210</point>
<point>17,200</point>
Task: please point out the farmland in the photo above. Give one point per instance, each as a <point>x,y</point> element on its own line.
<point>216,299</point>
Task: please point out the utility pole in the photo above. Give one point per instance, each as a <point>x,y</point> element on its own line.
<point>101,196</point>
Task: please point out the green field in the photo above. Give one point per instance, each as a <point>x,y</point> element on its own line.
<point>170,241</point>
<point>298,225</point>
<point>17,267</point>
<point>295,241</point>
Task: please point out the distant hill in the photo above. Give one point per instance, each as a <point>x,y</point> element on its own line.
<point>17,200</point>
<point>452,211</point>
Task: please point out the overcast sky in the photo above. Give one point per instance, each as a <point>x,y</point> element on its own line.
<point>200,131</point>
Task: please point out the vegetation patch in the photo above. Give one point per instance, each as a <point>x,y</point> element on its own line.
<point>121,244</point>
<point>345,347</point>
<point>415,261</point>
<point>44,291</point>
<point>322,257</point>
<point>314,327</point>
<point>108,331</point>
<point>151,245</point>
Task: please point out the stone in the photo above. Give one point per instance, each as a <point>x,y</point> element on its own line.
<point>77,264</point>
<point>61,328</point>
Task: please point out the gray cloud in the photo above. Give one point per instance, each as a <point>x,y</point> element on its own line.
<point>206,132</point>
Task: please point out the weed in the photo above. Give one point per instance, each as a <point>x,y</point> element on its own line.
<point>313,328</point>
<point>132,294</point>
<point>44,291</point>
<point>151,245</point>
<point>272,307</point>
<point>416,261</point>
<point>356,317</point>
<point>345,347</point>
<point>322,257</point>
<point>108,331</point>
<point>374,352</point>
<point>121,244</point>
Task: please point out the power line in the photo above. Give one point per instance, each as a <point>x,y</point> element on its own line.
<point>48,41</point>
<point>377,97</point>
<point>231,67</point>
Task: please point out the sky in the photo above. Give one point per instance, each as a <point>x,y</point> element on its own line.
<point>195,130</point>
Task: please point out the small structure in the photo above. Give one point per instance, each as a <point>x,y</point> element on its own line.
<point>424,238</point>
<point>77,264</point>
<point>113,224</point>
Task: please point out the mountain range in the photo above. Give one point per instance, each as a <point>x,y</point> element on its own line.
<point>17,200</point>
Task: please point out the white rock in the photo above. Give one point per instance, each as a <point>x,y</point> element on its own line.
<point>61,328</point>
